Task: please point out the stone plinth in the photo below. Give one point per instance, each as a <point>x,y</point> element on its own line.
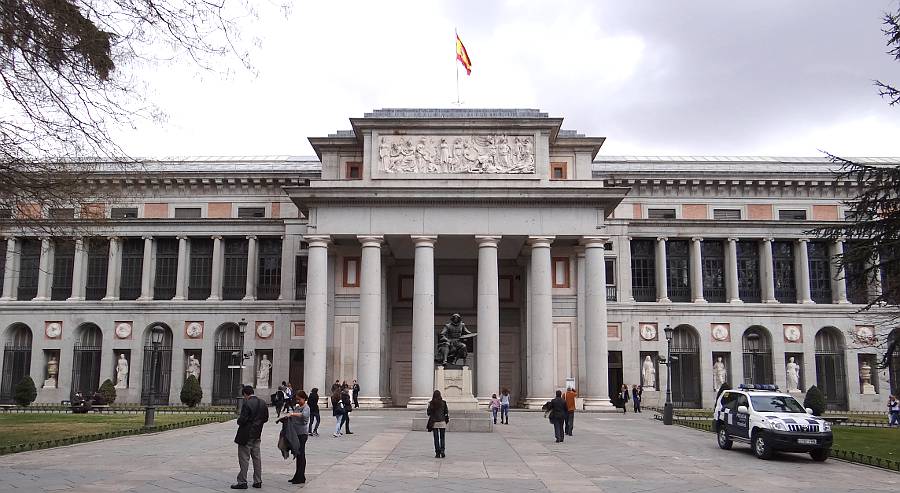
<point>868,389</point>
<point>461,421</point>
<point>455,385</point>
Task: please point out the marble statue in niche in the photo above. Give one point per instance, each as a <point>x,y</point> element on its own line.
<point>648,372</point>
<point>122,372</point>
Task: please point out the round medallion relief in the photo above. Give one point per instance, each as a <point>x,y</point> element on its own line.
<point>264,330</point>
<point>865,333</point>
<point>720,332</point>
<point>792,333</point>
<point>123,330</point>
<point>194,330</point>
<point>53,330</point>
<point>648,332</point>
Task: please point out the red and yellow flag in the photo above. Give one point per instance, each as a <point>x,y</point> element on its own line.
<point>463,56</point>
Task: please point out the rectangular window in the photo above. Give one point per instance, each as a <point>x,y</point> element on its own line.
<point>643,270</point>
<point>611,294</point>
<point>748,271</point>
<point>268,277</point>
<point>660,213</point>
<point>29,269</point>
<point>713,254</point>
<point>353,170</point>
<point>251,212</point>
<point>300,270</point>
<point>132,268</point>
<point>188,213</point>
<point>98,266</point>
<point>234,277</point>
<point>819,272</point>
<point>854,274</point>
<point>351,272</point>
<point>726,214</point>
<point>791,215</point>
<point>783,265</point>
<point>63,268</point>
<point>559,171</point>
<point>560,272</point>
<point>123,213</point>
<point>166,269</point>
<point>890,274</point>
<point>64,213</point>
<point>678,270</point>
<point>200,279</point>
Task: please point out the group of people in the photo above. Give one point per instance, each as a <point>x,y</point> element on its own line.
<point>342,406</point>
<point>634,395</point>
<point>893,411</point>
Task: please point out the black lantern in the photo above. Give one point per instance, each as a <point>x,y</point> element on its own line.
<point>668,411</point>
<point>157,333</point>
<point>242,328</point>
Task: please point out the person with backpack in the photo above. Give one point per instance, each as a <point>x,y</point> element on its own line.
<point>438,417</point>
<point>254,413</point>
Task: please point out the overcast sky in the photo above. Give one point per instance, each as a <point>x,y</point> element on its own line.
<point>761,77</point>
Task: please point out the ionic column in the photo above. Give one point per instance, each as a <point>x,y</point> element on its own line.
<point>368,359</point>
<point>802,275</point>
<point>662,283</point>
<point>12,267</point>
<point>732,291</point>
<point>838,276</point>
<point>183,273</point>
<point>423,323</point>
<point>45,271</point>
<point>488,319</point>
<point>696,271</point>
<point>767,267</point>
<point>250,289</point>
<point>595,332</point>
<point>218,264</point>
<point>79,270</point>
<point>113,268</point>
<point>147,270</point>
<point>625,292</point>
<point>315,343</point>
<point>541,343</point>
<point>288,267</point>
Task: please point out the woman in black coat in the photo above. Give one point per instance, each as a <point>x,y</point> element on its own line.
<point>348,406</point>
<point>314,415</point>
<point>558,413</point>
<point>438,417</point>
<point>623,396</point>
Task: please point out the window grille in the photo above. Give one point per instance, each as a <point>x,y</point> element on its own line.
<point>713,254</point>
<point>678,270</point>
<point>63,268</point>
<point>268,275</point>
<point>301,269</point>
<point>188,213</point>
<point>200,279</point>
<point>791,215</point>
<point>611,294</point>
<point>98,266</point>
<point>643,270</point>
<point>251,212</point>
<point>132,268</point>
<point>3,246</point>
<point>727,214</point>
<point>123,213</point>
<point>660,213</point>
<point>166,269</point>
<point>234,276</point>
<point>819,272</point>
<point>783,267</point>
<point>748,271</point>
<point>29,269</point>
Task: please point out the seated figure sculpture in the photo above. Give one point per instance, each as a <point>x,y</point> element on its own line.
<point>450,346</point>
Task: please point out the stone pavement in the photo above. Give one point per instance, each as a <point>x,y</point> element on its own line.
<point>612,453</point>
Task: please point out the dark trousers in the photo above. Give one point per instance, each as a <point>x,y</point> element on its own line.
<point>318,419</point>
<point>558,425</point>
<point>637,405</point>
<point>439,442</point>
<point>300,472</point>
<point>355,399</point>
<point>570,422</point>
<point>278,407</point>
<point>504,413</point>
<point>346,423</point>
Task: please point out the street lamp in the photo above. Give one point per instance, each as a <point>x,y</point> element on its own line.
<point>242,327</point>
<point>156,336</point>
<point>668,411</point>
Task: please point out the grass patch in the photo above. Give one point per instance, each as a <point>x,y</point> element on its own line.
<point>29,428</point>
<point>877,442</point>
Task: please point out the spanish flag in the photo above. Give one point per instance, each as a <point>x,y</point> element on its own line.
<point>462,56</point>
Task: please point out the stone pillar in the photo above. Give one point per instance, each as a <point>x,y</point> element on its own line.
<point>183,273</point>
<point>218,265</point>
<point>662,284</point>
<point>697,271</point>
<point>288,268</point>
<point>767,268</point>
<point>732,291</point>
<point>147,270</point>
<point>541,343</point>
<point>250,289</point>
<point>488,319</point>
<point>316,338</point>
<point>45,272</point>
<point>12,267</point>
<point>113,268</point>
<point>423,323</point>
<point>595,332</point>
<point>624,262</point>
<point>838,276</point>
<point>802,271</point>
<point>79,270</point>
<point>369,344</point>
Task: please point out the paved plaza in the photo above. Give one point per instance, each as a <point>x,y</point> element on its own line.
<point>612,453</point>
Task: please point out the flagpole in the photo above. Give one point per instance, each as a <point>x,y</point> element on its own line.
<point>455,38</point>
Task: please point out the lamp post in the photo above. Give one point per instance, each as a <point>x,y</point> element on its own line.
<point>668,411</point>
<point>156,336</point>
<point>242,327</point>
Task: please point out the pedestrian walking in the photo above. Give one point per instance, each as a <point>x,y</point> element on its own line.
<point>254,413</point>
<point>894,411</point>
<point>570,396</point>
<point>355,394</point>
<point>438,417</point>
<point>337,410</point>
<point>289,397</point>
<point>623,397</point>
<point>347,406</point>
<point>314,416</point>
<point>555,410</point>
<point>504,406</point>
<point>294,433</point>
<point>278,400</point>
<point>636,392</point>
<point>495,406</point>
<point>336,385</point>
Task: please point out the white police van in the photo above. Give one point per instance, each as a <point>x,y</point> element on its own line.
<point>770,421</point>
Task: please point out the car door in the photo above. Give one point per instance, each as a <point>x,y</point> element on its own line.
<point>740,424</point>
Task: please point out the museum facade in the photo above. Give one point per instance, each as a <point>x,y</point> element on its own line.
<point>568,265</point>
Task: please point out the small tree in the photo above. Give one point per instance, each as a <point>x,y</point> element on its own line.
<point>191,393</point>
<point>815,400</point>
<point>26,392</point>
<point>108,391</point>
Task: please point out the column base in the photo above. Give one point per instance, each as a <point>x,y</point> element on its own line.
<point>178,298</point>
<point>536,402</point>
<point>145,298</point>
<point>110,298</point>
<point>736,301</point>
<point>248,298</point>
<point>663,300</point>
<point>700,300</point>
<point>843,302</point>
<point>807,302</point>
<point>418,402</point>
<point>771,301</point>
<point>599,404</point>
<point>374,402</point>
<point>75,298</point>
<point>214,298</point>
<point>40,298</point>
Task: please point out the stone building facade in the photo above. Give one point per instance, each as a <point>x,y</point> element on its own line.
<point>345,266</point>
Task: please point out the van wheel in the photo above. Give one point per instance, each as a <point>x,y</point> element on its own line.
<point>725,443</point>
<point>819,455</point>
<point>761,447</point>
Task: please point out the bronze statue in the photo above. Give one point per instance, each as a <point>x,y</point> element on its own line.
<point>450,345</point>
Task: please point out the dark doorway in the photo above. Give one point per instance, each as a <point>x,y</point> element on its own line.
<point>614,377</point>
<point>16,361</point>
<point>86,361</point>
<point>685,368</point>
<point>226,381</point>
<point>831,375</point>
<point>157,368</point>
<point>757,356</point>
<point>295,371</point>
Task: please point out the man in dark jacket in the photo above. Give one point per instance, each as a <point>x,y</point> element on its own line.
<point>355,394</point>
<point>254,413</point>
<point>558,414</point>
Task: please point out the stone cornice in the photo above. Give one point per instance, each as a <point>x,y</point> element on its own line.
<point>707,186</point>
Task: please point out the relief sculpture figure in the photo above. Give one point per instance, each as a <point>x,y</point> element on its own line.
<point>467,154</point>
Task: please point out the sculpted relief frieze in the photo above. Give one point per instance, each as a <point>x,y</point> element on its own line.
<point>446,154</point>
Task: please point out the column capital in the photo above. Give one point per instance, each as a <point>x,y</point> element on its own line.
<point>593,241</point>
<point>146,237</point>
<point>250,237</point>
<point>802,240</point>
<point>579,251</point>
<point>627,237</point>
<point>424,241</point>
<point>113,238</point>
<point>216,237</point>
<point>318,241</point>
<point>540,241</point>
<point>487,241</point>
<point>661,238</point>
<point>697,238</point>
<point>732,239</point>
<point>768,240</point>
<point>370,241</point>
<point>182,237</point>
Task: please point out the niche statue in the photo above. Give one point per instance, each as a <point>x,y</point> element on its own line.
<point>450,345</point>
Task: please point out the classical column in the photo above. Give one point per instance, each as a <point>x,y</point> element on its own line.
<point>662,283</point>
<point>423,323</point>
<point>45,271</point>
<point>838,276</point>
<point>488,319</point>
<point>369,344</point>
<point>113,268</point>
<point>147,270</point>
<point>625,292</point>
<point>79,270</point>
<point>541,343</point>
<point>697,271</point>
<point>12,267</point>
<point>732,291</point>
<point>288,267</point>
<point>767,266</point>
<point>183,272</point>
<point>218,264</point>
<point>595,332</point>
<point>316,338</point>
<point>250,291</point>
<point>802,277</point>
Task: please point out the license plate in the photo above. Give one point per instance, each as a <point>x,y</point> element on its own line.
<point>806,441</point>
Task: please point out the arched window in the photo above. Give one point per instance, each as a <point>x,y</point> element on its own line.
<point>226,381</point>
<point>685,367</point>
<point>757,348</point>
<point>86,359</point>
<point>157,366</point>
<point>831,374</point>
<point>16,360</point>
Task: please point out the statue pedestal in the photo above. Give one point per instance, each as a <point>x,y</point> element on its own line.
<point>50,383</point>
<point>456,387</point>
<point>868,389</point>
